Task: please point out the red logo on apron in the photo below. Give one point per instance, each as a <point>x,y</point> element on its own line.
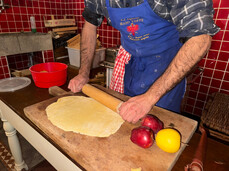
<point>132,28</point>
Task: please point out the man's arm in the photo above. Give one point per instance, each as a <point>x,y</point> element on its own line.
<point>187,57</point>
<point>87,49</point>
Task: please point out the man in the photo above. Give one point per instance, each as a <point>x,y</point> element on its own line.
<point>152,62</point>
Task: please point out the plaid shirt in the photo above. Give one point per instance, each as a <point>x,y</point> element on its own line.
<point>191,17</point>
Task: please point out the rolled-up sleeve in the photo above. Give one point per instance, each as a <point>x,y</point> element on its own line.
<point>93,12</point>
<point>193,17</point>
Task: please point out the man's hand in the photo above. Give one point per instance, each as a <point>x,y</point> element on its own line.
<point>135,108</point>
<point>76,84</point>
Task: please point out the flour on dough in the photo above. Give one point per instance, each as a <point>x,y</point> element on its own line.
<point>84,115</point>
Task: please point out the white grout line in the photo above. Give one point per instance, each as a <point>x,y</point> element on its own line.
<point>228,59</point>
<point>205,63</point>
<point>221,42</point>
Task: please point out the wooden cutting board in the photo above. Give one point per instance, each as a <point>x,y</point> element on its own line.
<point>117,152</point>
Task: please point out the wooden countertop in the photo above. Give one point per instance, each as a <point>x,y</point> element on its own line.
<point>217,153</point>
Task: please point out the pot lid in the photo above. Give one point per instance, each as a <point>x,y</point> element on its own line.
<point>13,83</point>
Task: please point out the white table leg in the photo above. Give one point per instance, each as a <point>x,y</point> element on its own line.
<point>14,145</point>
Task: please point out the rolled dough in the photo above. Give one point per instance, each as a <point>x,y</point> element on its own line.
<point>84,115</point>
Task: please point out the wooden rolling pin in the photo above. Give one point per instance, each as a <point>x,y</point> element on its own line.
<point>200,154</point>
<point>102,97</point>
<point>93,92</point>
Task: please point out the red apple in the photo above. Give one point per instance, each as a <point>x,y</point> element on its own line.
<point>142,136</point>
<point>153,123</point>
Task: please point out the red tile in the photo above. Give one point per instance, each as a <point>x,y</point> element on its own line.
<point>190,101</point>
<point>202,62</point>
<point>42,11</point>
<point>24,18</point>
<point>226,77</point>
<point>2,76</point>
<point>223,13</point>
<point>1,70</point>
<point>227,27</point>
<point>10,17</point>
<point>199,104</point>
<point>16,10</point>
<point>207,72</point>
<point>215,83</point>
<point>224,56</point>
<point>203,89</point>
<point>194,86</point>
<point>13,30</point>
<point>215,45</point>
<point>210,63</point>
<point>9,11</point>
<point>218,75</point>
<point>219,35</point>
<point>192,94</point>
<point>36,11</point>
<point>30,11</point>
<point>4,61</point>
<point>188,109</point>
<point>3,18</point>
<point>6,69</point>
<point>25,24</point>
<point>225,85</point>
<point>29,3</point>
<point>22,3</point>
<point>221,24</point>
<point>205,81</point>
<point>221,66</point>
<point>41,4</point>
<point>224,3</point>
<point>216,3</point>
<point>201,96</point>
<point>12,25</point>
<point>35,4</point>
<point>17,17</point>
<point>48,11</point>
<point>15,3</point>
<point>19,25</point>
<point>4,25</point>
<point>7,2</point>
<point>213,90</point>
<point>198,112</point>
<point>226,36</point>
<point>225,46</point>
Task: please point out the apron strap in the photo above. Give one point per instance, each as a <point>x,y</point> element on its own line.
<point>117,79</point>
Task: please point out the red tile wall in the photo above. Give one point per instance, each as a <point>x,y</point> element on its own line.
<point>215,69</point>
<point>108,36</point>
<point>215,75</point>
<point>4,68</point>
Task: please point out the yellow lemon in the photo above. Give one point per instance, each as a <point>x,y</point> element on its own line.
<point>168,140</point>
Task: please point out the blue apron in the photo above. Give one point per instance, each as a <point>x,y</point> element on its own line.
<point>152,42</point>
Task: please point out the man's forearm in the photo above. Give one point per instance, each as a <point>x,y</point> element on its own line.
<point>87,48</point>
<point>187,57</point>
